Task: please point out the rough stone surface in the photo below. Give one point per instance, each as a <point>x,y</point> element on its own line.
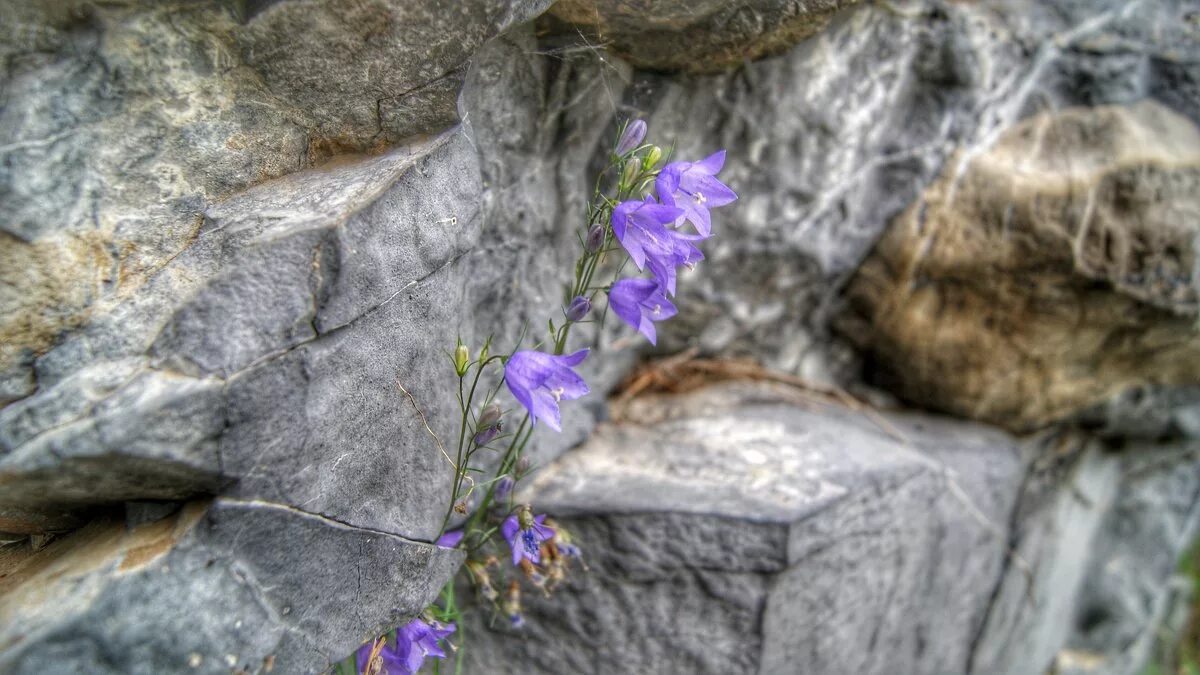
<point>224,245</point>
<point>1047,275</point>
<point>702,36</point>
<point>1096,538</point>
<point>740,529</point>
<point>121,122</point>
<point>215,588</point>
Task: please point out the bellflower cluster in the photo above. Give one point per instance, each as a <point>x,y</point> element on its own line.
<point>642,211</point>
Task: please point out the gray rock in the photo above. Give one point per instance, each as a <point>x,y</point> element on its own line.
<point>122,123</point>
<point>216,588</point>
<point>1129,587</point>
<point>740,529</point>
<point>1096,539</point>
<point>155,438</point>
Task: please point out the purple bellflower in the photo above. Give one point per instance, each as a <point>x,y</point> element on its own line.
<point>693,187</point>
<point>639,303</point>
<point>635,131</point>
<point>525,534</point>
<point>450,539</point>
<point>641,227</point>
<point>539,381</point>
<point>414,641</point>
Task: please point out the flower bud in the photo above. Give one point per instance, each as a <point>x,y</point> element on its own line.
<point>632,137</point>
<point>652,157</point>
<point>578,308</point>
<point>489,416</point>
<point>486,434</point>
<point>595,238</point>
<point>522,466</point>
<point>483,352</point>
<point>461,358</point>
<point>629,176</point>
<point>504,487</point>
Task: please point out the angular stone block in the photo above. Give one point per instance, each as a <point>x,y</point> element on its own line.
<point>740,529</point>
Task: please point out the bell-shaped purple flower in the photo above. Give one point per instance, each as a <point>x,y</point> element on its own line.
<point>632,137</point>
<point>526,539</point>
<point>414,641</point>
<point>539,381</point>
<point>641,227</point>
<point>694,188</point>
<point>639,303</point>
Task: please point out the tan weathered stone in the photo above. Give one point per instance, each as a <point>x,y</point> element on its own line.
<point>1044,275</point>
<point>705,36</point>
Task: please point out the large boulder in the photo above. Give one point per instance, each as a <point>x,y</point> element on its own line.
<point>1046,275</point>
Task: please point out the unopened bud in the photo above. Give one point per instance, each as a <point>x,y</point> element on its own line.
<point>489,415</point>
<point>595,238</point>
<point>652,158</point>
<point>504,487</point>
<point>486,434</point>
<point>578,308</point>
<point>632,169</point>
<point>483,352</point>
<point>461,358</point>
<point>522,466</point>
<point>632,137</point>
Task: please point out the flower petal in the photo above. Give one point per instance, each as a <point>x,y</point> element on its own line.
<point>450,539</point>
<point>712,164</point>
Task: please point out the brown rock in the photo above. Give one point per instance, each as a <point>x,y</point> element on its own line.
<point>1044,275</point>
<point>704,36</point>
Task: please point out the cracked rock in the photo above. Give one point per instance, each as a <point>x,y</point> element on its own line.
<point>219,586</point>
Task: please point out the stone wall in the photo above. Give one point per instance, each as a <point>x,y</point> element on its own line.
<point>234,230</point>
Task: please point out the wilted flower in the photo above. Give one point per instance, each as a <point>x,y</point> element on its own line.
<point>482,579</point>
<point>694,188</point>
<point>512,605</point>
<point>578,308</point>
<point>539,381</point>
<point>632,137</point>
<point>525,533</point>
<point>639,303</point>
